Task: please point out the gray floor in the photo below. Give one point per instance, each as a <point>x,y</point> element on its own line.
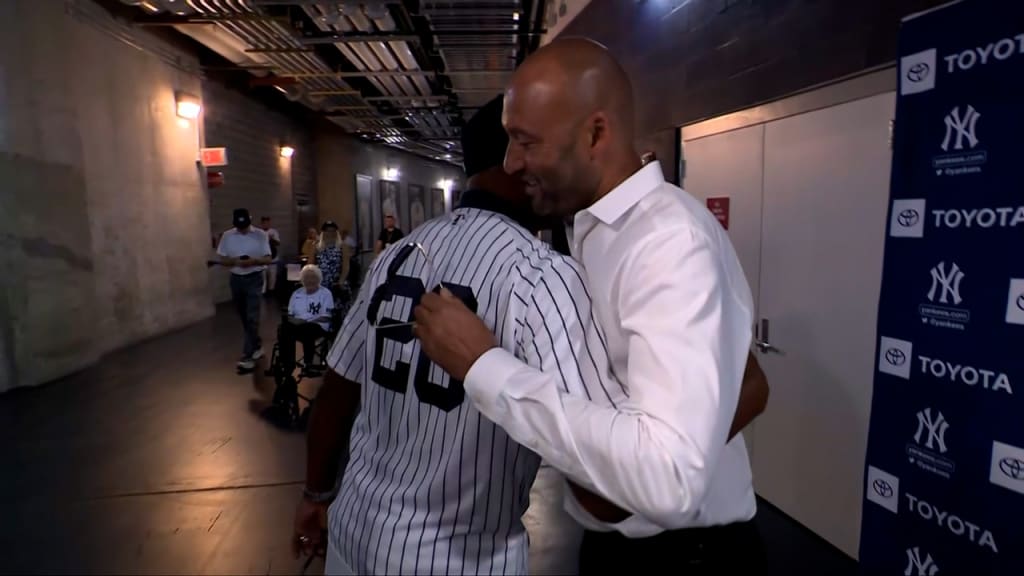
<point>157,461</point>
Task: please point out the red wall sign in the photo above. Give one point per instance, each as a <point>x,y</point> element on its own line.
<point>214,156</point>
<point>720,208</point>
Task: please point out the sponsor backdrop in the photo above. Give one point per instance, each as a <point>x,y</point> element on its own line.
<point>944,490</point>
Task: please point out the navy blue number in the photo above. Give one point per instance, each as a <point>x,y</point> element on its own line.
<point>434,394</point>
<point>396,379</point>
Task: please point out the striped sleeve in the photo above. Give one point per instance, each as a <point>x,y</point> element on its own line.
<point>347,356</point>
<point>560,334</point>
<point>561,358</point>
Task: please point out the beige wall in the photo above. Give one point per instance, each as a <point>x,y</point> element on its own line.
<point>104,223</point>
<point>340,157</point>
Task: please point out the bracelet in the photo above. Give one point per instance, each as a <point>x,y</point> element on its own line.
<point>318,497</point>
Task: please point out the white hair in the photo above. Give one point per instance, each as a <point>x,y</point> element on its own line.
<point>312,270</point>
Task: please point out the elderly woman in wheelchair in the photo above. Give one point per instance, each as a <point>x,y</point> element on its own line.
<point>308,319</point>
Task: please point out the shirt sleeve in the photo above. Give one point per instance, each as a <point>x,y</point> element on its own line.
<point>348,353</point>
<point>293,304</point>
<point>222,249</point>
<point>654,453</point>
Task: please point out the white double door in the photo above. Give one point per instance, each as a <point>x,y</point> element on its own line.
<point>808,196</point>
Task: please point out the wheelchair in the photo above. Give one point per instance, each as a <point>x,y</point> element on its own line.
<point>285,403</point>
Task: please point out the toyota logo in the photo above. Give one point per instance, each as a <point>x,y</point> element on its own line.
<point>895,356</point>
<point>918,72</point>
<point>1020,301</point>
<point>908,217</point>
<point>882,488</point>
<point>1012,467</point>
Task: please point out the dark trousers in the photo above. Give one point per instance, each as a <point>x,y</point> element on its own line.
<point>246,292</point>
<point>730,550</point>
<point>288,334</point>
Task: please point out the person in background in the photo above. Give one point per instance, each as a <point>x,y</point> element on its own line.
<point>349,248</point>
<point>389,235</point>
<point>309,246</point>
<point>270,276</point>
<point>309,318</point>
<point>329,255</point>
<point>247,251</point>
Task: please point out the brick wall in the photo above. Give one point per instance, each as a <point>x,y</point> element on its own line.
<point>696,59</point>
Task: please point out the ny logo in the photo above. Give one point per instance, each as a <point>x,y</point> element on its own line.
<point>314,308</point>
<point>962,127</point>
<point>936,429</point>
<point>924,567</point>
<point>948,281</point>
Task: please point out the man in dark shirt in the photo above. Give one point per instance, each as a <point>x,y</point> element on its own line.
<point>389,235</point>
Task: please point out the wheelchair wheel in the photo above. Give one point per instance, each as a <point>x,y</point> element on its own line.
<point>286,399</point>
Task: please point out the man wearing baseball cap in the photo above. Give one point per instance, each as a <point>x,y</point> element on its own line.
<point>246,250</point>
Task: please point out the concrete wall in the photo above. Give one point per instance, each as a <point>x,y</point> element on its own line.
<point>696,59</point>
<point>104,225</point>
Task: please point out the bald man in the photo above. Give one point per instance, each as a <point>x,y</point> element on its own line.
<point>676,310</point>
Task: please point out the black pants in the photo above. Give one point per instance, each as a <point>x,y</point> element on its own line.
<point>246,291</point>
<point>730,550</point>
<point>288,334</point>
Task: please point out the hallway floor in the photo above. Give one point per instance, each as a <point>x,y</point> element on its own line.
<point>157,461</point>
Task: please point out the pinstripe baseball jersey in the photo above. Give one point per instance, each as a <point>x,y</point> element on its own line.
<point>431,485</point>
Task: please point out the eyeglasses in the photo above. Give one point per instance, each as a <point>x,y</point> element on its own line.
<point>395,285</point>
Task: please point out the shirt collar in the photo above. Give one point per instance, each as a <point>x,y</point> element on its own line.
<point>483,200</point>
<point>624,196</point>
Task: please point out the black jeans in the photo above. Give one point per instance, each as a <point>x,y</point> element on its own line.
<point>288,334</point>
<point>730,550</point>
<point>246,292</point>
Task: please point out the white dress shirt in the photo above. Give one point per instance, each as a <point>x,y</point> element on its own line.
<point>676,313</point>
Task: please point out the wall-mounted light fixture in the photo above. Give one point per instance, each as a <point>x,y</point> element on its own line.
<point>287,151</point>
<point>445,184</point>
<point>390,173</point>
<point>187,105</point>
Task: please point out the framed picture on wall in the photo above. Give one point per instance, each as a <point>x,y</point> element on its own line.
<point>436,202</point>
<point>417,206</point>
<point>456,197</point>
<point>364,211</point>
<point>390,204</point>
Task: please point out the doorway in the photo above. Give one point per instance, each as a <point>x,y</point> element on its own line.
<point>807,180</point>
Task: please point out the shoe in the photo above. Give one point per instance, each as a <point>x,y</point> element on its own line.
<point>257,353</point>
<point>246,364</point>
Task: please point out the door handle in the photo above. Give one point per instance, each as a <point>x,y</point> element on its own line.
<point>764,345</point>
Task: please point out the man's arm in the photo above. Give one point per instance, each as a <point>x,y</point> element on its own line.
<point>330,425</point>
<point>334,412</point>
<point>753,400</point>
<point>222,253</point>
<point>753,396</point>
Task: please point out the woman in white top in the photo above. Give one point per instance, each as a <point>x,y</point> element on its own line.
<point>309,318</point>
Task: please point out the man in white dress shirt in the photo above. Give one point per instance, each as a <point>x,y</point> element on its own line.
<point>676,313</point>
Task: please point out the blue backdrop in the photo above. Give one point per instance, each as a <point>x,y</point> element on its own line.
<point>944,485</point>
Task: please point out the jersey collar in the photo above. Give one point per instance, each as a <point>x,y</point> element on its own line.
<point>483,200</point>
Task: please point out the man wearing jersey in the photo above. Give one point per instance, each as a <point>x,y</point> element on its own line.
<point>432,486</point>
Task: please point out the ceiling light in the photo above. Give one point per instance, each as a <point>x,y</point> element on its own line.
<point>287,151</point>
<point>150,7</point>
<point>515,16</point>
<point>187,105</point>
